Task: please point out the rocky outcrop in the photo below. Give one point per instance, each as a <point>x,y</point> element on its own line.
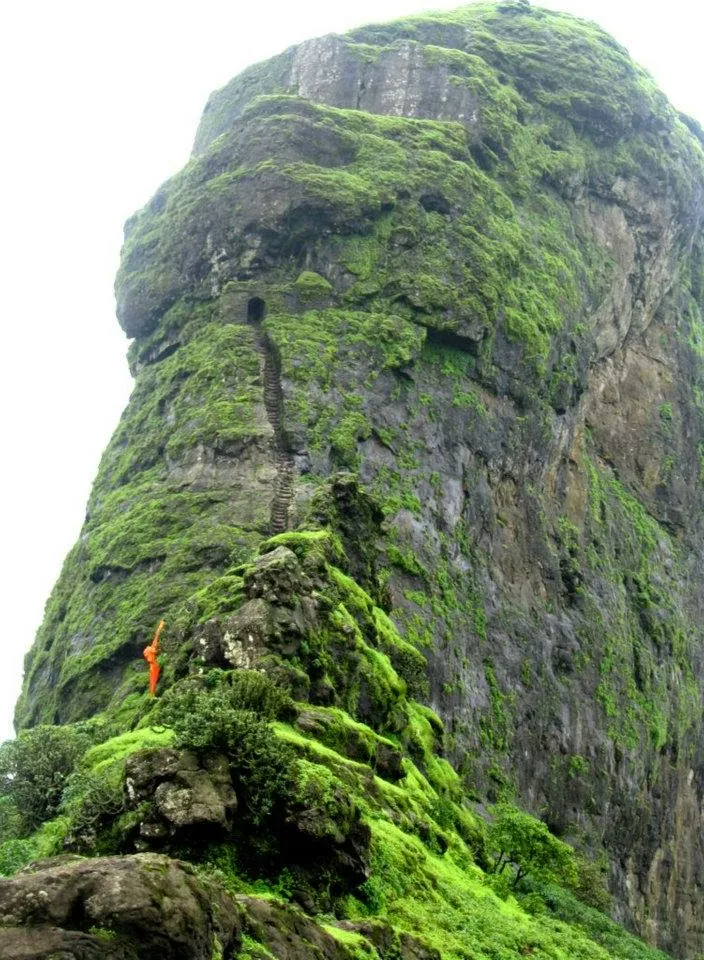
<point>186,798</point>
<point>126,908</point>
<point>472,243</point>
<point>290,936</point>
<point>146,906</point>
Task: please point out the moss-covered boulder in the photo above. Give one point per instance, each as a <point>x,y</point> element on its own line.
<point>133,907</point>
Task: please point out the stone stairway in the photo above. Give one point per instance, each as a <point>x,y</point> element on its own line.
<point>274,405</point>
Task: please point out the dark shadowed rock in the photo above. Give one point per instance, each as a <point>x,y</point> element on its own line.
<point>138,907</point>
<point>186,795</point>
<point>389,762</point>
<point>288,933</point>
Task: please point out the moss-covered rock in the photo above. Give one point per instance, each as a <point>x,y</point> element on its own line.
<point>426,302</point>
<point>133,907</point>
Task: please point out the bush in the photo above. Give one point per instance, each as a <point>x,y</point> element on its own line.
<point>212,720</point>
<point>589,885</point>
<point>14,854</point>
<point>92,798</point>
<point>237,689</point>
<point>47,841</point>
<point>34,769</point>
<point>254,691</point>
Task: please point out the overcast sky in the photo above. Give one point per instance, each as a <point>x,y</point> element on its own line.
<point>100,102</point>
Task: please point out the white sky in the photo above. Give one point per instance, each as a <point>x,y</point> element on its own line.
<point>99,103</point>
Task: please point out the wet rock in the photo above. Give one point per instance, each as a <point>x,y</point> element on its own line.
<point>186,794</point>
<point>389,762</point>
<point>278,613</point>
<point>132,908</point>
<point>52,943</point>
<point>277,577</point>
<point>287,933</point>
<point>390,944</point>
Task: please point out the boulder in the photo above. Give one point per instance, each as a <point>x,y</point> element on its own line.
<point>287,933</point>
<point>187,793</point>
<point>119,908</point>
<point>51,943</point>
<point>389,943</point>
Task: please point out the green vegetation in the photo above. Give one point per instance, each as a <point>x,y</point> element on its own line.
<point>437,871</point>
<point>33,771</point>
<point>647,687</point>
<point>219,718</point>
<point>433,292</point>
<point>311,286</point>
<point>520,842</point>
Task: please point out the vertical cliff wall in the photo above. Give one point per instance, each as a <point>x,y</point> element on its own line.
<point>460,256</point>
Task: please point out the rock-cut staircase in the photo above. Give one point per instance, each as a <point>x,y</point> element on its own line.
<point>274,405</point>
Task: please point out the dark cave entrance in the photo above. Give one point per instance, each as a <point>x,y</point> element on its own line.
<point>255,310</point>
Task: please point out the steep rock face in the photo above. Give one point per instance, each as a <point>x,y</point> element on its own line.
<point>460,255</point>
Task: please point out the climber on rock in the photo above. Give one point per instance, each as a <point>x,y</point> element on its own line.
<point>151,654</point>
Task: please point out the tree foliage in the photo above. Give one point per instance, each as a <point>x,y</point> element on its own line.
<point>521,842</point>
<point>34,769</point>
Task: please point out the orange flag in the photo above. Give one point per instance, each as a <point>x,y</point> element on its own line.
<point>150,655</point>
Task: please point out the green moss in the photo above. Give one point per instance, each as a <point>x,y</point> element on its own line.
<point>648,701</point>
<point>350,430</point>
<point>322,543</point>
<point>311,286</point>
<point>103,933</point>
<point>407,561</point>
<point>495,725</point>
<point>359,946</point>
<point>117,749</point>
<point>445,901</point>
<point>252,950</point>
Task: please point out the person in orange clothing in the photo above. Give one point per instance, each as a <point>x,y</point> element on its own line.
<point>150,655</point>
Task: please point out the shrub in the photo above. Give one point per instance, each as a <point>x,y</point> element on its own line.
<point>14,854</point>
<point>10,820</point>
<point>237,689</point>
<point>589,885</point>
<point>211,721</point>
<point>255,691</point>
<point>92,798</point>
<point>45,842</point>
<point>34,768</point>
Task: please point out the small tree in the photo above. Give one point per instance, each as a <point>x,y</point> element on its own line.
<point>34,768</point>
<point>520,841</point>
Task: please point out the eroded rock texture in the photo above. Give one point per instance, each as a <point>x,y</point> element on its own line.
<point>460,256</point>
<point>121,907</point>
<point>146,906</point>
